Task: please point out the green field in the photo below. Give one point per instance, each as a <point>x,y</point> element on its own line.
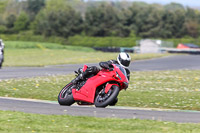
<point>16,122</point>
<point>156,89</point>
<point>41,54</point>
<point>43,46</point>
<point>37,57</point>
<point>163,89</point>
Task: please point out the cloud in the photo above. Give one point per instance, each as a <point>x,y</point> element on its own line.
<point>183,2</point>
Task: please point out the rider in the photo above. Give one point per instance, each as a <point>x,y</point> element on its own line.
<point>123,59</point>
<point>1,52</point>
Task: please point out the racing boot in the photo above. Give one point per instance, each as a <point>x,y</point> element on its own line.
<point>77,79</point>
<point>80,77</point>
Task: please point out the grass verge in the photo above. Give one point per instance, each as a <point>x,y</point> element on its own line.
<point>39,57</point>
<point>17,122</point>
<point>19,53</point>
<point>156,89</point>
<point>43,46</point>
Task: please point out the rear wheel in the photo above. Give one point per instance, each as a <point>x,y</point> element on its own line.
<point>105,99</point>
<point>65,96</point>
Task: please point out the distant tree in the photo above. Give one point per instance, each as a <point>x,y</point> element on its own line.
<point>173,24</point>
<point>3,29</point>
<point>179,29</point>
<point>21,22</point>
<point>192,22</point>
<point>78,5</point>
<point>166,24</point>
<point>174,6</point>
<point>155,21</point>
<point>190,14</point>
<point>12,11</point>
<point>58,19</point>
<point>151,19</point>
<point>144,20</point>
<point>10,20</point>
<point>15,7</point>
<point>130,16</point>
<point>192,28</point>
<point>34,6</point>
<point>104,20</point>
<point>3,4</point>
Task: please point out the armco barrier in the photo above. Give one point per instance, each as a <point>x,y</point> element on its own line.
<point>114,49</point>
<point>184,51</point>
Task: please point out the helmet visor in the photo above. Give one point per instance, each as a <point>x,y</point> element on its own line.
<point>124,62</point>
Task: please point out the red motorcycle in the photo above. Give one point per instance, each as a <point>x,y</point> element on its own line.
<point>101,89</point>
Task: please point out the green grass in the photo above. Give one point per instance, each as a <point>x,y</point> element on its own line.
<point>157,89</point>
<point>38,57</point>
<point>42,46</point>
<point>16,122</point>
<point>19,53</point>
<point>163,89</point>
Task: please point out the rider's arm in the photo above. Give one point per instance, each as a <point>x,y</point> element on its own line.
<point>106,65</point>
<point>128,74</point>
<point>1,46</point>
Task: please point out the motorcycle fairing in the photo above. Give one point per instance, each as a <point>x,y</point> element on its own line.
<point>87,92</point>
<point>85,67</point>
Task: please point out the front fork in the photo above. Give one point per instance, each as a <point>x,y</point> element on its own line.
<point>108,87</point>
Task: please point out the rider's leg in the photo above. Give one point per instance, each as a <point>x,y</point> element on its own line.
<point>77,79</point>
<point>90,70</point>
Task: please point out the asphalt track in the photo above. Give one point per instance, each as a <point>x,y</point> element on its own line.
<point>166,63</point>
<point>49,108</point>
<point>191,62</point>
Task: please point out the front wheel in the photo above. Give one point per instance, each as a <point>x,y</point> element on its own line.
<point>65,96</point>
<point>105,99</point>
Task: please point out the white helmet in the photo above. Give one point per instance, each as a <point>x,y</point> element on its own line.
<point>124,59</point>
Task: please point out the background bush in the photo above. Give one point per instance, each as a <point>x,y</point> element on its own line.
<point>75,40</point>
<point>86,41</point>
<point>97,24</point>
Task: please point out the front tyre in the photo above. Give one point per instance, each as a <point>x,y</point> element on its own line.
<point>104,99</point>
<point>65,96</point>
<point>114,102</point>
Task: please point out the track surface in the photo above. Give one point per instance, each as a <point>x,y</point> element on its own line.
<point>40,107</point>
<point>166,63</point>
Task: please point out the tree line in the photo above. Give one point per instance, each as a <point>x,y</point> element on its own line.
<point>66,18</point>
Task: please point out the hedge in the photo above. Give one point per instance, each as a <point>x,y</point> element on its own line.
<point>177,41</point>
<point>102,41</point>
<point>32,38</point>
<point>75,40</point>
<point>90,41</point>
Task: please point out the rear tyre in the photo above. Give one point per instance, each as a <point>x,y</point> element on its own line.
<point>104,99</point>
<point>65,96</point>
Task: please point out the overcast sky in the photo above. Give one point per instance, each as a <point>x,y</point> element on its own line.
<point>183,2</point>
<point>195,3</point>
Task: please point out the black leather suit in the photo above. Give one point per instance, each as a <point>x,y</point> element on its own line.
<point>108,65</point>
<point>93,70</point>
